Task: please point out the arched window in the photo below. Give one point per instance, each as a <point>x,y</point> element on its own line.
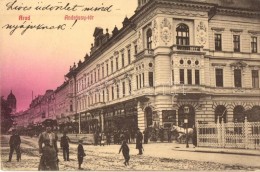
<point>149,39</point>
<point>221,113</point>
<point>253,115</point>
<point>238,113</point>
<point>149,117</point>
<point>182,37</point>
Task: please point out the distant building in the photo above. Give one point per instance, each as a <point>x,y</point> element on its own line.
<point>11,100</point>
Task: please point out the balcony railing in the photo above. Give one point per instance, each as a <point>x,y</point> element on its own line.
<point>187,48</point>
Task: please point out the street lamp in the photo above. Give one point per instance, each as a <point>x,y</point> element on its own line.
<point>186,112</point>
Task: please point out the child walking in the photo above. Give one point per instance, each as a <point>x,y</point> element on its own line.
<point>81,154</point>
<point>125,150</point>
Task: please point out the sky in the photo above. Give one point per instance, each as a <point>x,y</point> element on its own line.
<point>37,60</point>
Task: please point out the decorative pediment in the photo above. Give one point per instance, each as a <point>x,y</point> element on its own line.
<point>218,29</point>
<point>239,64</point>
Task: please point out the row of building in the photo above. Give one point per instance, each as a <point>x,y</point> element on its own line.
<point>172,60</point>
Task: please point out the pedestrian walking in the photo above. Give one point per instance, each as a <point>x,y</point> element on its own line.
<point>161,134</point>
<point>146,136</point>
<point>50,153</point>
<point>14,143</point>
<point>169,133</point>
<point>139,140</point>
<point>64,144</point>
<point>81,154</point>
<point>49,157</point>
<point>125,150</point>
<point>108,137</point>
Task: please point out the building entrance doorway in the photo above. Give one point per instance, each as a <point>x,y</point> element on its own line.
<point>183,114</point>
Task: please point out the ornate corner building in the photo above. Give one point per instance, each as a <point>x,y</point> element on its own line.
<point>171,59</point>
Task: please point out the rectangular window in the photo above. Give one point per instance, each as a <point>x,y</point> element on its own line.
<point>218,46</point>
<point>137,85</point>
<point>135,49</point>
<point>103,72</point>
<point>255,79</point>
<point>123,60</point>
<point>95,77</point>
<point>123,86</point>
<point>112,66</point>
<point>129,56</point>
<point>197,77</point>
<point>103,96</point>
<point>143,79</point>
<point>130,87</point>
<point>219,77</point>
<point>117,91</point>
<point>98,75</point>
<point>112,89</point>
<point>140,80</point>
<point>189,73</point>
<point>88,81</point>
<point>150,79</point>
<point>254,44</point>
<point>91,79</point>
<point>181,76</point>
<point>117,63</point>
<point>237,78</point>
<point>107,69</point>
<point>236,41</point>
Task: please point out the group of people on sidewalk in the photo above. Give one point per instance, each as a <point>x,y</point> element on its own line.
<point>48,149</point>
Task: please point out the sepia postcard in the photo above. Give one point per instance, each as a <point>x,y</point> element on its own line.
<point>130,85</point>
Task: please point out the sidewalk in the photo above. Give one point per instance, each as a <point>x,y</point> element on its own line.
<point>182,147</point>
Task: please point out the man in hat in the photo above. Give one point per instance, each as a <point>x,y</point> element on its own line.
<point>139,140</point>
<point>14,144</point>
<point>48,136</point>
<point>64,144</point>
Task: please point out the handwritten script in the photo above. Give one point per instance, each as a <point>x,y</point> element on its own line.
<point>54,6</point>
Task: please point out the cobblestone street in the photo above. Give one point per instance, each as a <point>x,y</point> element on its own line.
<point>107,158</point>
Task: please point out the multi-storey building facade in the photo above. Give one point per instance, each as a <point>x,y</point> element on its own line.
<point>63,103</point>
<point>170,61</point>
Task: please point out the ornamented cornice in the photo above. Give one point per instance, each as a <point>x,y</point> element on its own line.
<point>237,12</point>
<point>172,11</point>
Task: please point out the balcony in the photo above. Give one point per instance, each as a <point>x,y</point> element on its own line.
<point>187,49</point>
<point>145,53</point>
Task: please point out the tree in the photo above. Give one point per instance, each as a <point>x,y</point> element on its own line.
<point>6,118</point>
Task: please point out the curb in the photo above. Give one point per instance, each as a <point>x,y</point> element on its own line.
<point>221,152</point>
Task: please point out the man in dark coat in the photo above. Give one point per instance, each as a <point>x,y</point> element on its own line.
<point>50,153</point>
<point>81,154</point>
<point>139,140</point>
<point>14,144</point>
<point>125,150</point>
<point>64,144</point>
<point>146,136</point>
